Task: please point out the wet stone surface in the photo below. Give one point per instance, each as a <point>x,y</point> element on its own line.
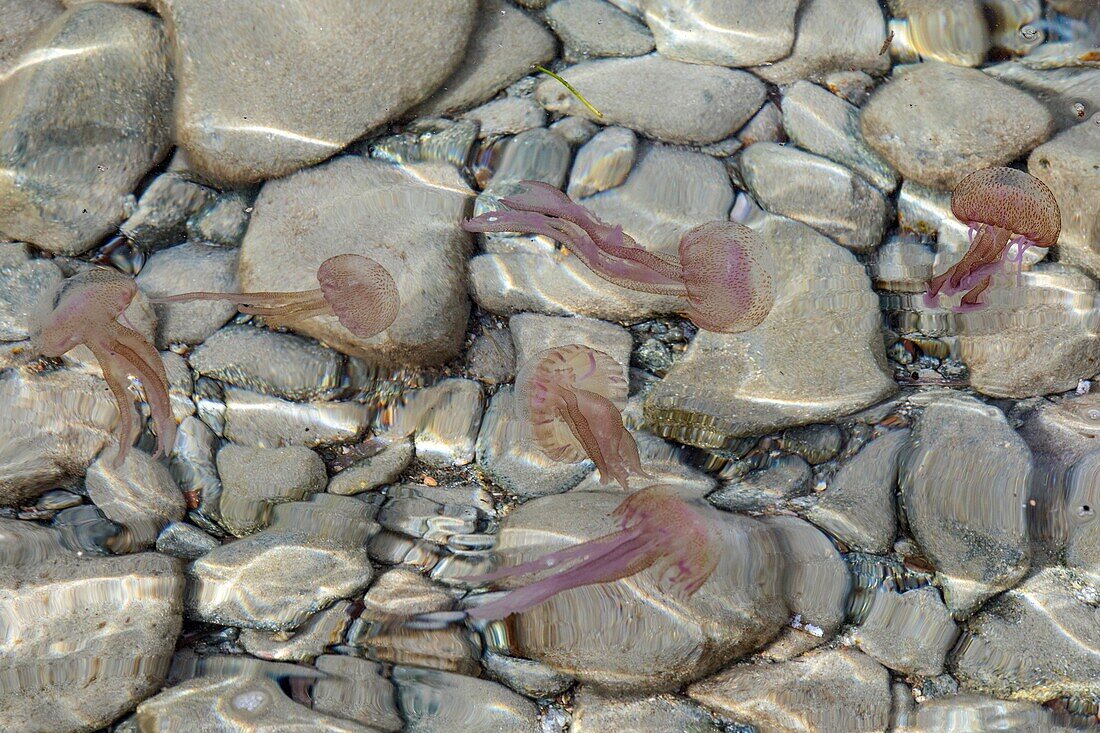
<point>964,484</point>
<point>68,189</point>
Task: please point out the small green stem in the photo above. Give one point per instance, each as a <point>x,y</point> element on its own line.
<point>572,89</point>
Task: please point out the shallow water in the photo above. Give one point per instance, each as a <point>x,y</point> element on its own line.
<point>894,503</point>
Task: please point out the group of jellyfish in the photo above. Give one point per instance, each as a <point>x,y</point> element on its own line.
<point>568,399</point>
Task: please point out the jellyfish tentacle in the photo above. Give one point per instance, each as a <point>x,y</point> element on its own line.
<point>128,428</point>
<point>143,358</point>
<point>576,553</point>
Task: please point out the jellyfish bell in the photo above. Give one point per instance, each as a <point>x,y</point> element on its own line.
<point>726,272</point>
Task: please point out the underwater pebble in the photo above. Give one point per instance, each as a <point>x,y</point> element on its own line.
<point>162,211</point>
<point>223,222</point>
<point>190,267</point>
<point>777,480</point>
<point>1059,89</point>
<point>967,713</point>
<point>431,139</point>
<point>816,191</point>
<point>356,689</point>
<point>923,122</point>
<point>435,513</point>
<point>910,632</point>
<point>596,713</point>
<point>903,265</point>
<point>398,594</point>
<point>857,506</point>
<point>185,541</point>
<point>312,554</point>
<point>597,28</point>
<point>854,87</point>
<point>527,677</point>
<point>539,155</point>
<point>1070,165</point>
<point>73,158</point>
<point>248,106</point>
<point>603,162</point>
<point>506,45</point>
<point>1083,515</point>
<point>816,443</point>
<point>770,376</point>
<point>819,692</point>
<point>254,480</point>
<point>253,419</point>
<point>234,704</point>
<point>1036,641</point>
<point>816,585</point>
<point>831,35</point>
<point>140,495</point>
<point>507,116</point>
<point>281,364</point>
<point>443,421</point>
<point>721,32</point>
<point>21,22</point>
<point>825,124</point>
<point>950,31</point>
<point>964,485</point>
<point>491,358</point>
<point>441,702</point>
<point>413,214</point>
<point>55,425</point>
<point>765,126</point>
<point>1035,338</point>
<point>86,637</point>
<point>26,282</point>
<point>658,97</point>
<point>739,608</point>
<point>320,631</point>
<point>577,130</point>
<point>373,471</point>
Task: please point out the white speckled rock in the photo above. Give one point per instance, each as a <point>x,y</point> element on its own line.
<point>936,123</point>
<point>664,99</point>
<point>259,99</point>
<point>406,218</point>
<point>505,46</point>
<point>81,125</point>
<point>21,20</point>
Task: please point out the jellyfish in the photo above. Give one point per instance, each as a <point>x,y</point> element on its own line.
<point>90,312</point>
<point>722,272</point>
<point>356,289</point>
<point>567,396</point>
<point>657,529</point>
<point>1002,206</point>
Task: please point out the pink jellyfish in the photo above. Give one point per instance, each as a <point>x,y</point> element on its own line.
<point>90,312</point>
<point>567,396</point>
<point>356,289</point>
<point>721,273</point>
<point>657,529</point>
<point>996,203</point>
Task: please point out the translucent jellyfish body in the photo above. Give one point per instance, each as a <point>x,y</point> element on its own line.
<point>722,272</point>
<point>658,530</point>
<point>1002,206</point>
<point>569,397</point>
<point>90,312</point>
<point>360,292</point>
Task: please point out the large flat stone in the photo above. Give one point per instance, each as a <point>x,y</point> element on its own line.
<point>83,117</point>
<point>260,99</point>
